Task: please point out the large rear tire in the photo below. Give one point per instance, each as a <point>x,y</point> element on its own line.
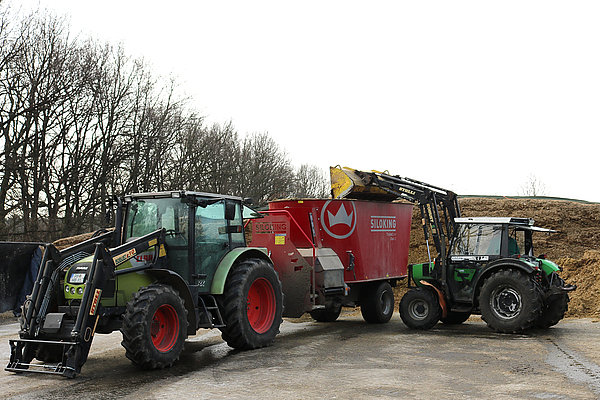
<point>377,302</point>
<point>154,327</point>
<point>252,305</point>
<point>509,301</point>
<point>420,309</point>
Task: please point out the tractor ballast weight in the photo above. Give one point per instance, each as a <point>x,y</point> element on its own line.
<point>175,262</point>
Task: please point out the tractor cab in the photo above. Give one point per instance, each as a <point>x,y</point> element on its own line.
<point>483,241</point>
<point>200,229</point>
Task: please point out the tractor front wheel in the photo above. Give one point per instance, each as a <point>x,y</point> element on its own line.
<point>420,309</point>
<point>154,327</point>
<point>554,307</point>
<point>509,301</point>
<point>377,302</point>
<point>252,305</point>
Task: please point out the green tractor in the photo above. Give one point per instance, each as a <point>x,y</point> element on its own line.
<point>483,265</point>
<point>490,270</point>
<point>175,262</point>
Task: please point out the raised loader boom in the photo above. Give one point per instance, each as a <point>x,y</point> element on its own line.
<point>439,207</point>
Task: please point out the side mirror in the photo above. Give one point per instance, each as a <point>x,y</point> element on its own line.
<point>109,212</point>
<point>230,207</point>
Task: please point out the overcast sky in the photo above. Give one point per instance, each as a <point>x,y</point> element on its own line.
<point>474,96</point>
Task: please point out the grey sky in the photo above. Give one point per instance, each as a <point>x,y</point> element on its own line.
<point>474,96</point>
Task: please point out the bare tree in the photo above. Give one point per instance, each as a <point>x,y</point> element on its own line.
<point>81,120</point>
<point>310,182</point>
<point>533,187</point>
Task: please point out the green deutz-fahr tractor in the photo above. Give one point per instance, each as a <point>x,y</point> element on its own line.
<point>176,262</point>
<point>484,265</point>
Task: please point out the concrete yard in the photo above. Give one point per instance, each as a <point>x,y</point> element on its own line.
<point>347,359</point>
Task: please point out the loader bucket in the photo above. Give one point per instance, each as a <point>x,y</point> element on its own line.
<point>347,183</point>
<point>15,264</point>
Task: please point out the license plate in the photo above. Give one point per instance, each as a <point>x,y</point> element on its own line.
<point>77,278</point>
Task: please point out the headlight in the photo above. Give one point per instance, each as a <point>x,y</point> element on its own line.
<point>66,289</point>
<point>79,290</point>
<point>73,290</point>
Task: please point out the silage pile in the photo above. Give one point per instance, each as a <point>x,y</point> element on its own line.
<point>576,247</point>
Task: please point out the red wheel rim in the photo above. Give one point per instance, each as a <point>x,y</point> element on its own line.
<point>164,328</point>
<point>261,305</point>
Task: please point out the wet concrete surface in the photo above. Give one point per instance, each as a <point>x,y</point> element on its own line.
<point>344,359</point>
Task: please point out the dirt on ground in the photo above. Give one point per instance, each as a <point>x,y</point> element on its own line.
<point>576,246</point>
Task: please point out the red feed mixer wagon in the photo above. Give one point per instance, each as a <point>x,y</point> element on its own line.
<point>334,253</point>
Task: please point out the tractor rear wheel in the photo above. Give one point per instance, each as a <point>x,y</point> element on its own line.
<point>154,327</point>
<point>509,301</point>
<point>252,305</point>
<point>377,302</point>
<point>420,309</point>
<point>455,317</point>
<point>327,314</point>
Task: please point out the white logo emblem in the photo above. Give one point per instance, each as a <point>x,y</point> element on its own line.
<point>339,224</point>
<point>341,217</point>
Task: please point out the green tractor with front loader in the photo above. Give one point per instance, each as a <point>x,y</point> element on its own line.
<point>483,265</point>
<point>176,262</point>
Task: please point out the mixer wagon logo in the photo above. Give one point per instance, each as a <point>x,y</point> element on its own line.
<point>338,221</point>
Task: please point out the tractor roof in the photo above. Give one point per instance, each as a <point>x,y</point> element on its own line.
<point>178,194</point>
<point>522,223</point>
<point>495,220</point>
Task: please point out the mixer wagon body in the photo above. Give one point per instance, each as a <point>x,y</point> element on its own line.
<point>330,253</point>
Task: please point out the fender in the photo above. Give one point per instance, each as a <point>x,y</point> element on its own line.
<point>440,296</point>
<point>230,259</point>
<point>174,280</point>
<point>503,263</point>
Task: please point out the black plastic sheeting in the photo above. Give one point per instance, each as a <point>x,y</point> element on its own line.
<point>19,263</point>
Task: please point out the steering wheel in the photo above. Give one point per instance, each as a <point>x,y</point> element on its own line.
<point>174,233</point>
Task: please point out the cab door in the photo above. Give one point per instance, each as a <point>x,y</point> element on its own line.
<point>474,246</point>
<point>212,241</point>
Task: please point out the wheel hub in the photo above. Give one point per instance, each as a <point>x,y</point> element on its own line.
<point>506,302</point>
<point>386,304</point>
<point>261,305</point>
<point>418,309</point>
<point>164,328</point>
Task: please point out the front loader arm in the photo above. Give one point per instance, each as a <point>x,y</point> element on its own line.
<point>435,204</point>
<point>38,321</point>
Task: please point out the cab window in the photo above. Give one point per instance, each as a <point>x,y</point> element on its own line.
<point>478,240</point>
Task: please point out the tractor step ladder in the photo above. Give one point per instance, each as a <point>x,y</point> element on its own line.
<point>210,309</point>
